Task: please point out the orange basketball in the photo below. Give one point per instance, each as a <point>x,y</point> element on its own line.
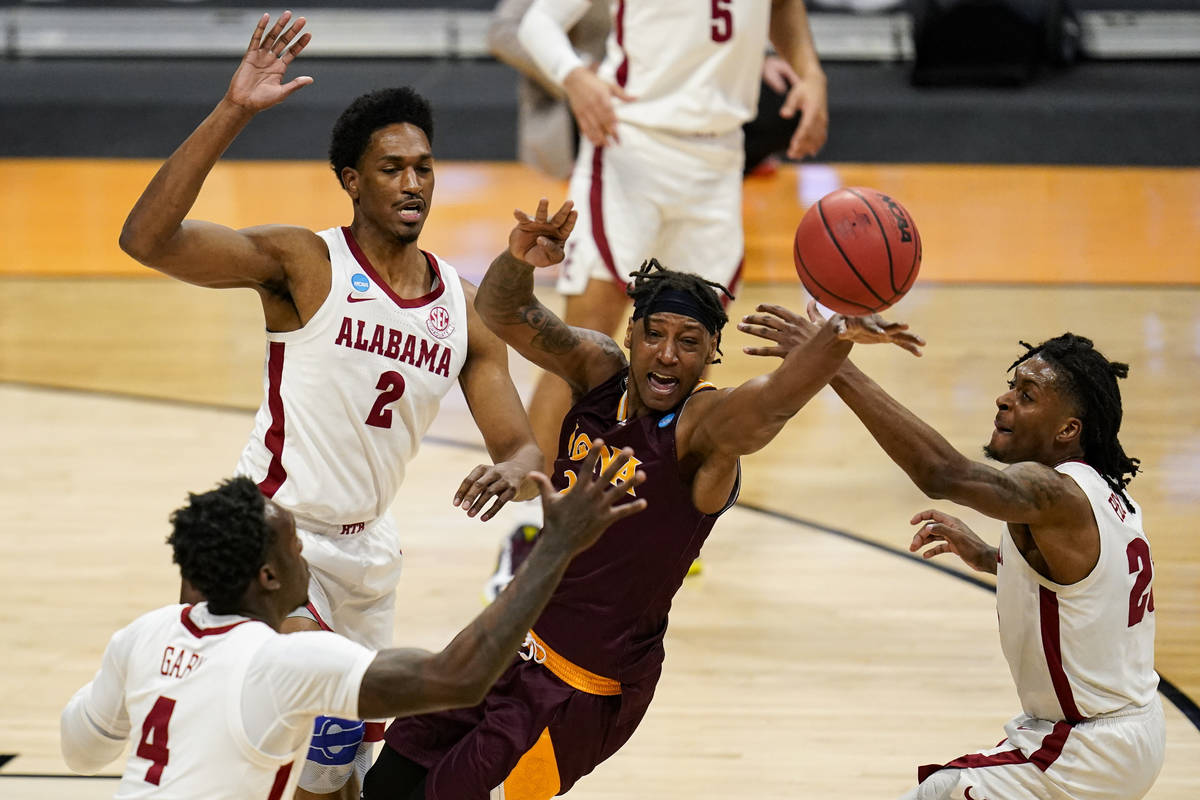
<point>857,251</point>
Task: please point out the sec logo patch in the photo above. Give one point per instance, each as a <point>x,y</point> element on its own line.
<point>439,324</point>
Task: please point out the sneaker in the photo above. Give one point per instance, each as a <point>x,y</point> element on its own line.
<point>513,551</point>
<point>695,569</point>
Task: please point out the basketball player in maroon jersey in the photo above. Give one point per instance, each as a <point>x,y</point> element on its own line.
<point>593,657</point>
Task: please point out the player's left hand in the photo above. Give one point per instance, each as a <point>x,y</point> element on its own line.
<point>500,482</point>
<point>777,324</point>
<point>539,241</point>
<point>788,330</point>
<point>870,329</point>
<point>809,96</point>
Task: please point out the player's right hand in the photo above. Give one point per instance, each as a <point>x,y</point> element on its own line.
<point>952,536</point>
<point>575,519</point>
<point>539,241</point>
<point>257,84</point>
<point>591,102</point>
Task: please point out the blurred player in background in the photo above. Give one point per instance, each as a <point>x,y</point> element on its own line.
<point>1075,578</point>
<point>365,334</point>
<point>222,705</point>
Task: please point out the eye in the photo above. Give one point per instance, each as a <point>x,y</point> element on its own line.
<point>1025,396</point>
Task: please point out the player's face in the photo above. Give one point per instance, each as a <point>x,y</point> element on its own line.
<point>290,566</point>
<point>667,355</point>
<point>392,186</point>
<point>1029,415</point>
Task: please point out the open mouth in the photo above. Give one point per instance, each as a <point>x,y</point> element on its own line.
<point>1001,429</point>
<point>411,211</point>
<point>661,384</point>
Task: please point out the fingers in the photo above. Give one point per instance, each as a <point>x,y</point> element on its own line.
<point>296,49</point>
<point>464,488</point>
<point>614,466</point>
<point>281,43</point>
<point>778,311</point>
<point>765,351</point>
<point>544,487</point>
<point>814,313</point>
<point>543,210</point>
<point>256,37</point>
<point>563,215</point>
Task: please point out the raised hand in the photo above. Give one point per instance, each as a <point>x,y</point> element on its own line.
<point>257,84</point>
<point>539,241</point>
<point>952,536</point>
<point>777,324</point>
<point>871,329</point>
<point>576,518</point>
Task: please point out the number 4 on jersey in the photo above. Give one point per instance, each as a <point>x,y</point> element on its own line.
<point>153,746</point>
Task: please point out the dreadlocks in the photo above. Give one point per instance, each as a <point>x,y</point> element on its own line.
<point>655,288</point>
<point>1090,380</point>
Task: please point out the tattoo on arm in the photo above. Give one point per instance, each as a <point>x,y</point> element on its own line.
<point>1036,488</point>
<point>554,335</point>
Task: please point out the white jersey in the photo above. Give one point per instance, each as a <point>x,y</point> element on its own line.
<point>693,67</point>
<point>216,706</point>
<point>1086,649</point>
<point>348,397</point>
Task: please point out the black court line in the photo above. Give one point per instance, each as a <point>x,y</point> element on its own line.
<point>1186,705</point>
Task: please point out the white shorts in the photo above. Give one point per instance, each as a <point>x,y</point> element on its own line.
<point>353,577</point>
<point>1113,757</point>
<point>673,197</point>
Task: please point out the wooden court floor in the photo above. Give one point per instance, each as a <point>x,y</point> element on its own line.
<point>813,658</point>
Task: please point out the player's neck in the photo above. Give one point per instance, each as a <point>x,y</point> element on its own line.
<point>400,263</point>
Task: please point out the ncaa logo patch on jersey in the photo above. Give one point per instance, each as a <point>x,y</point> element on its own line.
<point>439,323</point>
<point>360,282</point>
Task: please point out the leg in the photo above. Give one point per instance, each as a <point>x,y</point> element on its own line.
<point>394,777</point>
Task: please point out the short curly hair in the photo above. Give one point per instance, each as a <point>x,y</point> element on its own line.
<point>368,113</point>
<point>220,540</point>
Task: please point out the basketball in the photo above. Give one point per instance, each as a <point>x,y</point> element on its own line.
<point>857,251</point>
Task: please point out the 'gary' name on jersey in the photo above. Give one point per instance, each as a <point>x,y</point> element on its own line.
<point>394,344</point>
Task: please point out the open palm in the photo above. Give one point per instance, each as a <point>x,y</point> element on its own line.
<point>258,82</point>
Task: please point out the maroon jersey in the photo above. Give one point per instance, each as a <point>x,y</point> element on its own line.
<point>609,613</point>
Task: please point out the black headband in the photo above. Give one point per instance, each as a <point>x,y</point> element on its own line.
<point>677,301</point>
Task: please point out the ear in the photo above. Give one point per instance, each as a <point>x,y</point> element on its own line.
<point>349,177</point>
<point>1070,432</point>
<point>712,348</point>
<point>629,334</point>
<point>267,578</point>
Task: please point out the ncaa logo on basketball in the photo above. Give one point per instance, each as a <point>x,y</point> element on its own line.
<point>360,282</point>
<point>439,324</point>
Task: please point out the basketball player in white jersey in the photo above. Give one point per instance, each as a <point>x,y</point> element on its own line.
<point>1075,579</point>
<point>365,334</point>
<point>221,705</point>
<point>659,169</point>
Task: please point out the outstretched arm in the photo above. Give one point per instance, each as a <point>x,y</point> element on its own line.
<point>501,419</point>
<point>402,682</point>
<point>1025,492</point>
<point>506,302</point>
<point>204,253</point>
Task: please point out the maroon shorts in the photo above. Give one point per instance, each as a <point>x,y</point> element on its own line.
<point>470,751</point>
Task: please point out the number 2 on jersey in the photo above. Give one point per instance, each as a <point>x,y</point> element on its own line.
<point>391,384</point>
<point>722,21</point>
<point>1140,601</point>
<point>153,746</point>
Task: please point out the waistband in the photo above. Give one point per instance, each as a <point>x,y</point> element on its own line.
<point>332,529</point>
<point>571,674</point>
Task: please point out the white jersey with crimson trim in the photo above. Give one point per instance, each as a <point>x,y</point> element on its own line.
<point>215,706</point>
<point>1086,649</point>
<point>348,397</point>
<point>694,67</point>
